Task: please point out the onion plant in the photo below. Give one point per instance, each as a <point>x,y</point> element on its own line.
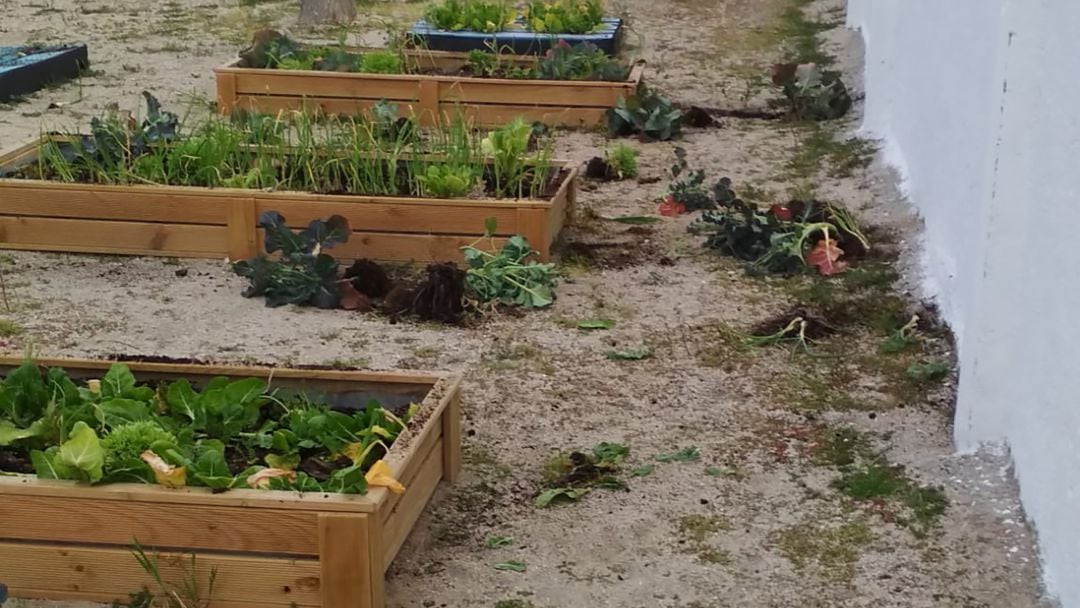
<point>303,151</point>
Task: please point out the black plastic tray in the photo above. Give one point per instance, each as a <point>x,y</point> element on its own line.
<point>24,70</point>
<point>517,42</point>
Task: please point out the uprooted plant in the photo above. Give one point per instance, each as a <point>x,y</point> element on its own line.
<point>298,270</point>
<point>508,275</point>
<point>784,238</point>
<point>811,93</point>
<point>303,273</point>
<point>569,476</point>
<point>687,191</point>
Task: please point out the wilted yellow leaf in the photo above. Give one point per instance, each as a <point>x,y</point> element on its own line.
<point>261,479</point>
<point>165,474</point>
<point>379,476</point>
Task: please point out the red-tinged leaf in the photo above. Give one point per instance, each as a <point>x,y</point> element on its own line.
<point>670,207</point>
<point>825,256</point>
<point>781,212</point>
<point>351,299</point>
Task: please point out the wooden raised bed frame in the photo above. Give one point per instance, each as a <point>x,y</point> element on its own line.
<point>63,541</point>
<point>185,221</point>
<point>484,101</point>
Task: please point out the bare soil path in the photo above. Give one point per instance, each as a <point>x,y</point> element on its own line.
<point>769,512</point>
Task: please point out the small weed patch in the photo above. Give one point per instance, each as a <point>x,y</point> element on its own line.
<point>834,552</point>
<point>878,481</point>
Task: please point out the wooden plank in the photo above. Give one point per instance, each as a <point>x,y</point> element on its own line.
<point>575,94</point>
<point>532,224</point>
<point>181,527</point>
<point>109,598</point>
<point>563,206</point>
<point>378,568</point>
<point>264,104</point>
<point>242,371</point>
<point>310,83</point>
<point>451,437</point>
<point>226,92</point>
<point>271,198</point>
<point>416,248</point>
<point>493,115</point>
<point>486,115</point>
<point>20,153</point>
<point>344,561</point>
<point>408,468</point>
<point>100,236</point>
<point>113,573</point>
<point>243,233</point>
<point>445,217</point>
<point>166,204</point>
<point>403,518</point>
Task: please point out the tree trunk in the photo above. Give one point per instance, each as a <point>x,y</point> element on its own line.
<point>313,12</point>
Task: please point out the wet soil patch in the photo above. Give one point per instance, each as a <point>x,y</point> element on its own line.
<point>634,246</point>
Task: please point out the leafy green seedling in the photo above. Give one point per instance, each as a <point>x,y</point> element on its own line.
<point>557,495</point>
<point>610,453</point>
<point>901,339</point>
<point>495,542</point>
<point>690,454</point>
<point>511,566</point>
<point>634,354</point>
<point>643,471</point>
<point>593,324</point>
<point>928,371</point>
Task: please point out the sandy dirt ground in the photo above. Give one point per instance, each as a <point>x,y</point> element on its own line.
<point>757,521</point>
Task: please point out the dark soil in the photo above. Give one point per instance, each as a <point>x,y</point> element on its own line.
<point>598,168</point>
<point>11,461</point>
<point>440,296</point>
<point>369,278</point>
<point>816,327</point>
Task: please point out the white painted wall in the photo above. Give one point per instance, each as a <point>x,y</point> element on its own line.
<point>978,105</point>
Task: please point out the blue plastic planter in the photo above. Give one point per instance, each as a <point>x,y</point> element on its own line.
<point>26,69</point>
<point>517,42</point>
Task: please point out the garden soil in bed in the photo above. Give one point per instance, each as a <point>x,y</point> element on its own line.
<point>535,384</point>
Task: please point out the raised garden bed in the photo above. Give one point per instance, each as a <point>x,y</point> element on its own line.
<point>67,541</point>
<point>25,69</point>
<point>429,97</point>
<point>521,42</point>
<point>188,221</point>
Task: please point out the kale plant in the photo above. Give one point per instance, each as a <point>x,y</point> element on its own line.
<point>302,273</point>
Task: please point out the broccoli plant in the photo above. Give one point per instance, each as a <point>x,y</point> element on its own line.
<point>302,273</point>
